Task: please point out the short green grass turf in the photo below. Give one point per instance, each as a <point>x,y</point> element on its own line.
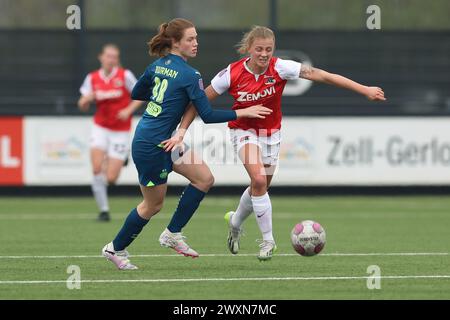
<point>66,227</point>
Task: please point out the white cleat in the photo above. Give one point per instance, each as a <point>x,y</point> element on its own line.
<point>234,234</point>
<point>267,248</point>
<point>119,258</point>
<point>176,242</point>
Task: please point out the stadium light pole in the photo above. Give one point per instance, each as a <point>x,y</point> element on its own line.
<point>80,41</point>
<point>273,14</point>
<point>175,8</point>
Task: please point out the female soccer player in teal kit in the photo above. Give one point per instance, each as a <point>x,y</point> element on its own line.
<point>169,84</point>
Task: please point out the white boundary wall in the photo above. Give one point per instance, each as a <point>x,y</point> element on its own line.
<point>315,151</point>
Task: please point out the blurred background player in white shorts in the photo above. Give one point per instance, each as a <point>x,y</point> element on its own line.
<point>110,88</point>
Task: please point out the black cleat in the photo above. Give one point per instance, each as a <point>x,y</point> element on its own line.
<point>103,216</point>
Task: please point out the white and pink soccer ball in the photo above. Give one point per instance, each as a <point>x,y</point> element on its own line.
<point>308,238</point>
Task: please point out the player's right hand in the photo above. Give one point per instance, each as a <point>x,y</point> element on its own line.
<point>375,94</point>
<point>175,141</point>
<point>256,111</point>
<point>83,106</point>
<point>85,101</point>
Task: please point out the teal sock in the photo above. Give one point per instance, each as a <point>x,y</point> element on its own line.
<point>130,230</point>
<point>189,201</point>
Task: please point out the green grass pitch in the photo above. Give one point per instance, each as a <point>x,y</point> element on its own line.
<point>408,238</point>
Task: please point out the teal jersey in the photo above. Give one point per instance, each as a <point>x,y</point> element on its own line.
<point>169,84</point>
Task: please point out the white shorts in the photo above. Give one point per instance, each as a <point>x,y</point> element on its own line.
<point>115,143</point>
<point>270,146</point>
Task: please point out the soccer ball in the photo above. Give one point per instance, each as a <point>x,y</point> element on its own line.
<point>308,238</point>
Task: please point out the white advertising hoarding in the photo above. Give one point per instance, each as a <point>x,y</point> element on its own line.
<point>314,151</point>
<point>365,151</point>
<point>56,150</point>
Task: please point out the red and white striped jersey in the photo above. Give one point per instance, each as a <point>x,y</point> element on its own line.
<point>112,94</point>
<point>249,89</point>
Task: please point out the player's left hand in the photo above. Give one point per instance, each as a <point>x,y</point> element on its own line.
<point>124,114</point>
<point>375,94</point>
<point>175,141</point>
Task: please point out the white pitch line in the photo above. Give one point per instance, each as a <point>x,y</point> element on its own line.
<point>224,279</point>
<point>206,216</point>
<point>236,256</point>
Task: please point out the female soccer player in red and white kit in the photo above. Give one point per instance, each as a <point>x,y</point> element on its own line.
<point>110,88</point>
<point>260,78</point>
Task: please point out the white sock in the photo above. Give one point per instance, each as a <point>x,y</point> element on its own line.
<point>99,189</point>
<point>244,209</point>
<point>263,212</point>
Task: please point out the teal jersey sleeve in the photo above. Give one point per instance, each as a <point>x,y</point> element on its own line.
<point>168,85</point>
<point>201,103</point>
<point>142,89</point>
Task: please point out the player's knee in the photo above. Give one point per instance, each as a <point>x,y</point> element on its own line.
<point>205,183</point>
<point>209,180</point>
<point>259,183</point>
<point>155,208</point>
<point>96,170</point>
<point>112,177</point>
<point>112,180</point>
<point>149,210</point>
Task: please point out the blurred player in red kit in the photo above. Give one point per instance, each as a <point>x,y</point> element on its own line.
<point>110,88</point>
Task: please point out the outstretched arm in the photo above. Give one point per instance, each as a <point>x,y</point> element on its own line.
<point>188,117</point>
<point>318,75</point>
<point>191,113</point>
<point>208,115</point>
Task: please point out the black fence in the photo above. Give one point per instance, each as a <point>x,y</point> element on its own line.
<point>41,71</point>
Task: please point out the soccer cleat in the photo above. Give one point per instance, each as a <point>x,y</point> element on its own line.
<point>103,216</point>
<point>234,234</point>
<point>119,258</point>
<point>267,248</point>
<point>176,242</point>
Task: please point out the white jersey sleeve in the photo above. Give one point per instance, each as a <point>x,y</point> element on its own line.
<point>130,80</point>
<point>221,82</point>
<point>86,87</point>
<point>288,69</point>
